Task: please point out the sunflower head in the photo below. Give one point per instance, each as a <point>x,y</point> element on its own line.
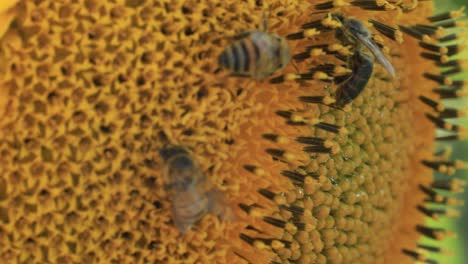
<point>93,92</point>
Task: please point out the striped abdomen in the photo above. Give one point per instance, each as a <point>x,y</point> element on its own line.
<point>188,208</point>
<point>191,206</point>
<point>241,56</point>
<point>193,195</point>
<point>258,55</point>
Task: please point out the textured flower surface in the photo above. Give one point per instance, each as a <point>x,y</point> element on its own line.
<point>92,90</point>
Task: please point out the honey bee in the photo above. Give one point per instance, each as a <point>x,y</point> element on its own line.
<point>356,33</point>
<point>193,195</point>
<point>256,54</point>
<point>361,62</point>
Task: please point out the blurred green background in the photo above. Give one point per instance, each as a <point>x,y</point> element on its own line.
<point>457,245</point>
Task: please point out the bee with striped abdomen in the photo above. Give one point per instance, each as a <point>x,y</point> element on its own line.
<point>256,54</point>
<point>192,194</point>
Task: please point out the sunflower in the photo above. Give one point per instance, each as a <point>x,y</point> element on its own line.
<point>92,90</point>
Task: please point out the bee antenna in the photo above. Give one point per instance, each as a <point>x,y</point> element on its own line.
<point>265,20</point>
<point>168,151</point>
<point>337,16</point>
<point>319,12</point>
<point>295,66</point>
<point>337,107</point>
<point>409,8</point>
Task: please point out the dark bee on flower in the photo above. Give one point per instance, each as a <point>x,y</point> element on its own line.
<point>256,54</point>
<point>362,65</point>
<point>354,32</point>
<point>193,195</point>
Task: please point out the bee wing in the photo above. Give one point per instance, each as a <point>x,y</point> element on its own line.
<point>219,206</point>
<point>377,53</point>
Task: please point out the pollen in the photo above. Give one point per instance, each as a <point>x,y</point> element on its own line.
<point>92,90</point>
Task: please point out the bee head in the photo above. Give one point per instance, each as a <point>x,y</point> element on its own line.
<point>356,27</point>
<point>182,171</point>
<point>170,151</point>
<point>338,17</point>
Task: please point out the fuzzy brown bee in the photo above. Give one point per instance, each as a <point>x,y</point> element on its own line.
<point>193,195</point>
<point>256,54</point>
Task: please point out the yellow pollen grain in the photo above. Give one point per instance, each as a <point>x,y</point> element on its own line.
<point>457,13</point>
<point>340,3</point>
<point>340,70</point>
<point>335,47</point>
<point>282,140</point>
<point>440,32</point>
<point>315,52</point>
<point>329,143</point>
<point>447,81</point>
<point>311,32</point>
<point>346,51</point>
<point>292,229</point>
<point>428,39</point>
<point>441,235</point>
<point>328,100</point>
<point>313,121</point>
<point>276,244</point>
<point>456,202</point>
<point>256,213</point>
<point>321,76</point>
<point>260,172</point>
<point>297,118</point>
<point>463,112</point>
<point>460,164</point>
<point>291,76</point>
<point>259,244</point>
<point>453,213</point>
<point>289,156</point>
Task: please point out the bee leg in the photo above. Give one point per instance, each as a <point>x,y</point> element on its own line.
<point>181,227</point>
<point>295,66</point>
<point>302,82</point>
<point>242,75</point>
<point>342,79</point>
